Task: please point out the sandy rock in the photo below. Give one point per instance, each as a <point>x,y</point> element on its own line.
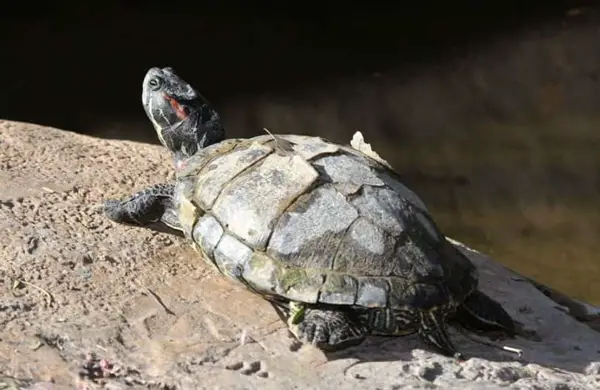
<point>87,304</point>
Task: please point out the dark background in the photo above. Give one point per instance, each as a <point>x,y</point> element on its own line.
<point>488,109</point>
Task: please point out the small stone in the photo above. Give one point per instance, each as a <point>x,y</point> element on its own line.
<point>592,369</point>
<point>429,373</point>
<point>510,374</point>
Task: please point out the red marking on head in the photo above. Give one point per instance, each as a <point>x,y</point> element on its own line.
<point>180,110</point>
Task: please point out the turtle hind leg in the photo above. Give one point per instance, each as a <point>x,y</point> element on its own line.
<point>433,331</point>
<point>329,330</point>
<point>152,207</point>
<point>480,312</point>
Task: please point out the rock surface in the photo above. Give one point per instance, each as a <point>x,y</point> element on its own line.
<point>87,304</point>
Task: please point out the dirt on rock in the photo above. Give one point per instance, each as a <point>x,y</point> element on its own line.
<point>86,303</point>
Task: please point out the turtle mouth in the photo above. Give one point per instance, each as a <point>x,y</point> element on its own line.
<point>182,112</point>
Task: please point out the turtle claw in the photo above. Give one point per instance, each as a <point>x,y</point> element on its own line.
<point>459,357</point>
<point>111,209</point>
<point>315,332</point>
<point>328,330</point>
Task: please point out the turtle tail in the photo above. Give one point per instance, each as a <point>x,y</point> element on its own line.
<point>480,312</point>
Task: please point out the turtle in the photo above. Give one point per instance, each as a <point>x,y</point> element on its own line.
<point>331,237</point>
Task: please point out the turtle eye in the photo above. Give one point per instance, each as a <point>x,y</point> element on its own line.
<point>155,83</point>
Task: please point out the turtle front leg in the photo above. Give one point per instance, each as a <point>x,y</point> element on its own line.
<point>329,330</point>
<point>433,331</point>
<point>152,208</point>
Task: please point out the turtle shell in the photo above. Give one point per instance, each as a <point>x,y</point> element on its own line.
<point>308,220</point>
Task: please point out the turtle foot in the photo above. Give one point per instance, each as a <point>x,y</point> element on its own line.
<point>151,208</point>
<point>328,330</point>
<point>433,332</point>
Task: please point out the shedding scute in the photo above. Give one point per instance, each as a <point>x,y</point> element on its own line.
<point>347,189</point>
<point>222,169</point>
<point>310,147</point>
<point>346,169</point>
<point>309,233</point>
<point>193,165</point>
<point>231,256</point>
<point>250,204</point>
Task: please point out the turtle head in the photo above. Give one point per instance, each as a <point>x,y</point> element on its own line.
<point>183,119</point>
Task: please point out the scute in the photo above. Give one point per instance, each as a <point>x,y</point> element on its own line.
<point>366,250</point>
<point>310,231</point>
<point>250,204</point>
<point>346,168</point>
<point>347,189</point>
<point>372,292</point>
<point>231,256</point>
<point>215,175</point>
<point>381,205</point>
<point>187,211</point>
<point>194,164</point>
<point>339,289</point>
<point>300,284</point>
<point>419,296</point>
<point>420,224</point>
<point>268,276</point>
<point>261,273</point>
<point>419,262</point>
<point>310,147</point>
<point>207,233</point>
